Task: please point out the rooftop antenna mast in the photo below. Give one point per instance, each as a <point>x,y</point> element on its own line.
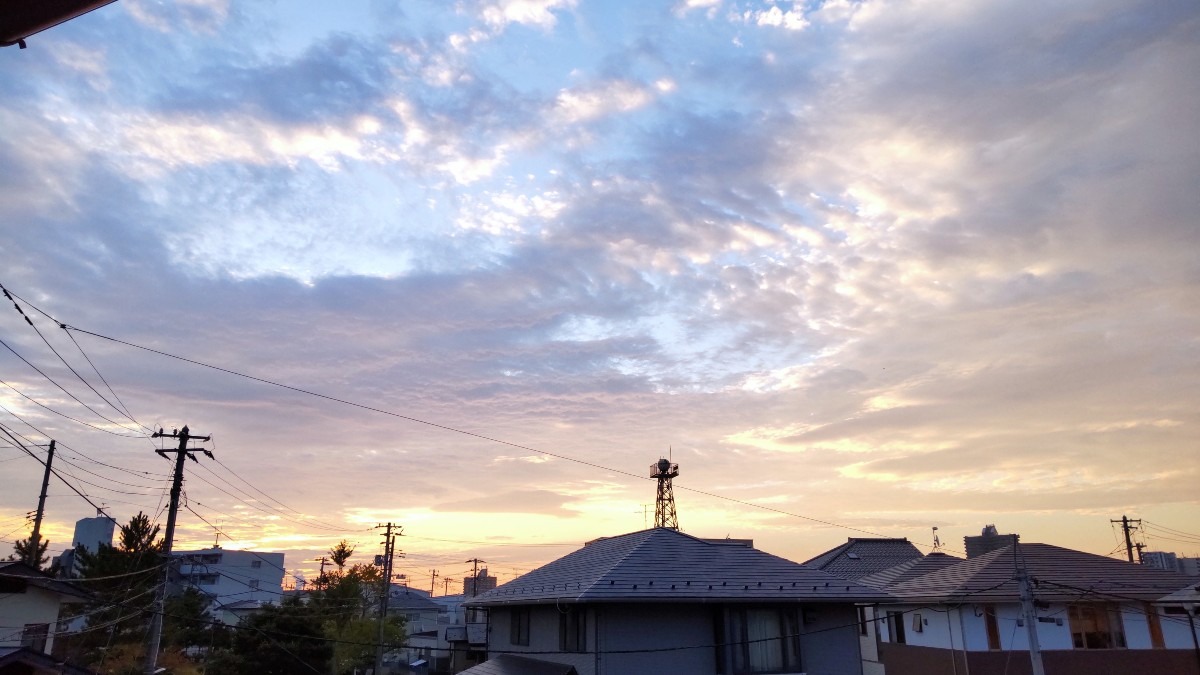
<point>664,506</point>
<point>937,543</point>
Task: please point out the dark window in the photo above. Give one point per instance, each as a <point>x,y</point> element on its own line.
<point>862,621</point>
<point>765,640</point>
<point>993,629</point>
<point>895,621</point>
<point>519,627</point>
<point>254,583</point>
<point>34,636</point>
<point>255,564</point>
<point>1096,626</point>
<point>572,633</point>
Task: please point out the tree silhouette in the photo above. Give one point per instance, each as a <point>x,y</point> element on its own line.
<point>22,549</point>
<point>341,553</point>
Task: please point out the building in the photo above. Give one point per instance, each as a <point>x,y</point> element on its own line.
<point>660,602</point>
<point>859,557</point>
<point>1171,562</point>
<point>89,533</point>
<point>988,540</point>
<point>241,580</point>
<point>31,605</point>
<point>478,585</point>
<point>1095,615</point>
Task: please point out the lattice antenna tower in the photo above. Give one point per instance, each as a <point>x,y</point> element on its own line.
<point>664,506</point>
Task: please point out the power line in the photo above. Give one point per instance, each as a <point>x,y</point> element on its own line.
<point>463,432</point>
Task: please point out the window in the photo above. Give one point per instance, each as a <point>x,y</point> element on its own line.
<point>34,636</point>
<point>255,564</point>
<point>993,629</point>
<point>1096,626</point>
<point>895,624</point>
<point>572,630</point>
<point>765,640</point>
<point>519,627</point>
<point>918,624</point>
<point>210,559</point>
<point>205,579</point>
<point>254,583</point>
<point>863,621</point>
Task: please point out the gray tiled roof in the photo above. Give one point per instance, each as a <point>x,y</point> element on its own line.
<point>860,557</point>
<point>1059,574</point>
<point>412,601</point>
<point>663,565</point>
<point>507,664</point>
<point>908,570</point>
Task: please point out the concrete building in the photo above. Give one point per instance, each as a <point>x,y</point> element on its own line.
<point>237,579</point>
<point>89,533</point>
<point>988,540</point>
<point>661,602</point>
<point>478,585</point>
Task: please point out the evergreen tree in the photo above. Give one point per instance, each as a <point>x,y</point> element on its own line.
<point>23,547</point>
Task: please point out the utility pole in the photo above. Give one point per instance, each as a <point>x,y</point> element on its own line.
<point>389,550</point>
<point>446,588</point>
<point>321,577</point>
<point>433,583</point>
<point>1125,526</point>
<point>475,577</point>
<point>1030,615</point>
<point>31,556</point>
<point>155,637</point>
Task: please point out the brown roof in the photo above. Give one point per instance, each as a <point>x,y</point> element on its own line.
<point>1058,574</point>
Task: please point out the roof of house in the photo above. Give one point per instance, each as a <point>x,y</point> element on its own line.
<point>412,601</point>
<point>26,660</point>
<point>859,557</point>
<point>664,565</point>
<point>1058,574</point>
<point>40,579</point>
<point>507,664</point>
<point>909,569</point>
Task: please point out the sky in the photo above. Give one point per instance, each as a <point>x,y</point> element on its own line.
<point>860,268</point>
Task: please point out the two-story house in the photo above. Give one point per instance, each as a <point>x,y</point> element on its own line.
<point>660,602</point>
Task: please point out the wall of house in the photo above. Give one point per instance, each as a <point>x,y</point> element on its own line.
<point>35,605</point>
<point>543,636</point>
<point>650,627</point>
<point>833,646</point>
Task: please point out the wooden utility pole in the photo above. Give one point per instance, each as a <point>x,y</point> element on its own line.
<point>182,452</point>
<point>1125,526</point>
<point>35,539</point>
<point>433,582</point>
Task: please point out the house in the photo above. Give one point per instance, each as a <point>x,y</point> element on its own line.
<point>1095,615</point>
<point>859,557</point>
<point>31,607</point>
<point>661,602</point>
<point>26,661</point>
<point>238,582</point>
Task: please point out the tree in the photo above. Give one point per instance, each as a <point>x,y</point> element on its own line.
<point>279,640</point>
<point>341,553</point>
<point>122,580</point>
<point>23,547</point>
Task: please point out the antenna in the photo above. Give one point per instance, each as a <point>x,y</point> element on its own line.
<point>937,543</point>
<point>664,506</point>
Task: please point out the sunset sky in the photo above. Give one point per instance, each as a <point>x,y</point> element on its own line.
<point>859,267</point>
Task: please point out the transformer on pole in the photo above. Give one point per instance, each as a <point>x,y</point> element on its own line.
<point>664,506</point>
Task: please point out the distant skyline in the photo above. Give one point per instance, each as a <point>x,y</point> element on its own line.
<point>881,265</point>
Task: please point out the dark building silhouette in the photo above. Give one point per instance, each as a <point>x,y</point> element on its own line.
<point>989,540</point>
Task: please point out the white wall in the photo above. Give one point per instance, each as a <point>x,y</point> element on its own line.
<point>35,605</point>
<point>237,573</point>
